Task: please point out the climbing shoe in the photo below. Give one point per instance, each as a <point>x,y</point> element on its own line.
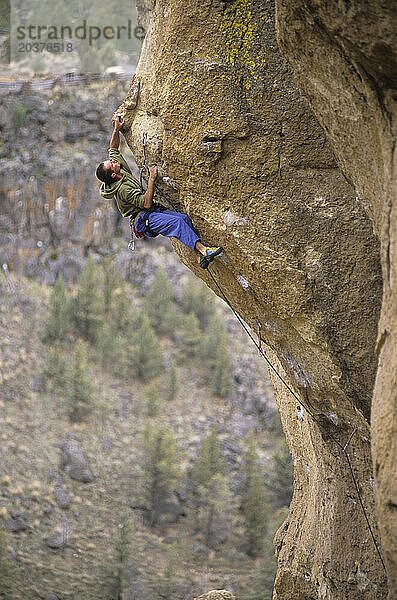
<point>209,255</point>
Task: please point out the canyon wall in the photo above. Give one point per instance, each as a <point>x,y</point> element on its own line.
<point>242,153</point>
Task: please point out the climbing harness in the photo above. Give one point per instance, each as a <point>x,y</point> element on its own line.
<point>144,169</point>
<point>342,448</point>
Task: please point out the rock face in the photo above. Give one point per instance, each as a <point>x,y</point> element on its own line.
<point>217,595</point>
<point>50,213</point>
<point>242,153</point>
<point>345,61</point>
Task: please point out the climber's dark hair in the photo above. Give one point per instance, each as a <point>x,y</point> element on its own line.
<point>103,174</point>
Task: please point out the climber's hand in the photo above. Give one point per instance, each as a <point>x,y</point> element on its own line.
<point>117,122</point>
<point>153,170</point>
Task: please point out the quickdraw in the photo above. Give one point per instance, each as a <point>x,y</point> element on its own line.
<point>134,232</point>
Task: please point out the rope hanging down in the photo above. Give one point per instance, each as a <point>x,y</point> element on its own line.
<point>342,448</point>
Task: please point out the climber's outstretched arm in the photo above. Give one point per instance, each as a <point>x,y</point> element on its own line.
<point>115,139</point>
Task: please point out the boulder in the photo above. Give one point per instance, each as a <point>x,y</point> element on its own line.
<point>73,461</point>
<point>62,497</point>
<point>17,523</point>
<point>74,132</point>
<point>57,541</point>
<point>217,595</point>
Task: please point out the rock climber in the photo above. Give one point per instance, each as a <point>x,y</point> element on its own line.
<point>147,218</point>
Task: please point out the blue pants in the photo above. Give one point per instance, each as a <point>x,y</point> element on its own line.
<point>167,223</point>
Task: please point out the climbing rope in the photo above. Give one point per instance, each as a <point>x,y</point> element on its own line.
<point>342,448</point>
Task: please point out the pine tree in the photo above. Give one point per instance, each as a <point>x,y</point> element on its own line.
<point>223,370</point>
<point>110,347</point>
<point>198,299</point>
<point>280,479</point>
<point>161,467</point>
<point>131,583</point>
<point>249,466</point>
<point>160,304</point>
<point>263,581</point>
<point>169,580</point>
<point>122,311</point>
<point>81,397</point>
<point>209,485</point>
<point>56,369</point>
<point>255,512</point>
<point>88,304</point>
<point>254,501</point>
<point>8,573</point>
<point>209,342</point>
<point>109,285</point>
<point>173,385</point>
<point>153,400</point>
<point>59,321</point>
<point>147,359</point>
<point>191,335</point>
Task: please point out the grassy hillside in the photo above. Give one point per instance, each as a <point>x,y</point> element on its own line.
<point>106,525</point>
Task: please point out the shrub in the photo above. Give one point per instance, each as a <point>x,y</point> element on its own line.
<point>161,467</point>
<point>88,304</point>
<point>19,115</point>
<point>59,318</point>
<point>160,304</point>
<point>147,357</point>
<point>81,387</point>
<point>153,400</point>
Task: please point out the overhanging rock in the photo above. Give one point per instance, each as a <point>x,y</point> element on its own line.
<point>242,153</point>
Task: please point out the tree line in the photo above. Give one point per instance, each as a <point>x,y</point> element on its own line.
<point>101,320</point>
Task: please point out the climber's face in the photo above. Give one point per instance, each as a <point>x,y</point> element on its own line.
<point>113,165</point>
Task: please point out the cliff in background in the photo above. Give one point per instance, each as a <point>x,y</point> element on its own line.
<point>242,153</point>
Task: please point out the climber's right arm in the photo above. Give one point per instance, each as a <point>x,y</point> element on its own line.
<point>115,139</point>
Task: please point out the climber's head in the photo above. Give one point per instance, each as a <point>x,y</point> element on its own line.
<point>108,171</point>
